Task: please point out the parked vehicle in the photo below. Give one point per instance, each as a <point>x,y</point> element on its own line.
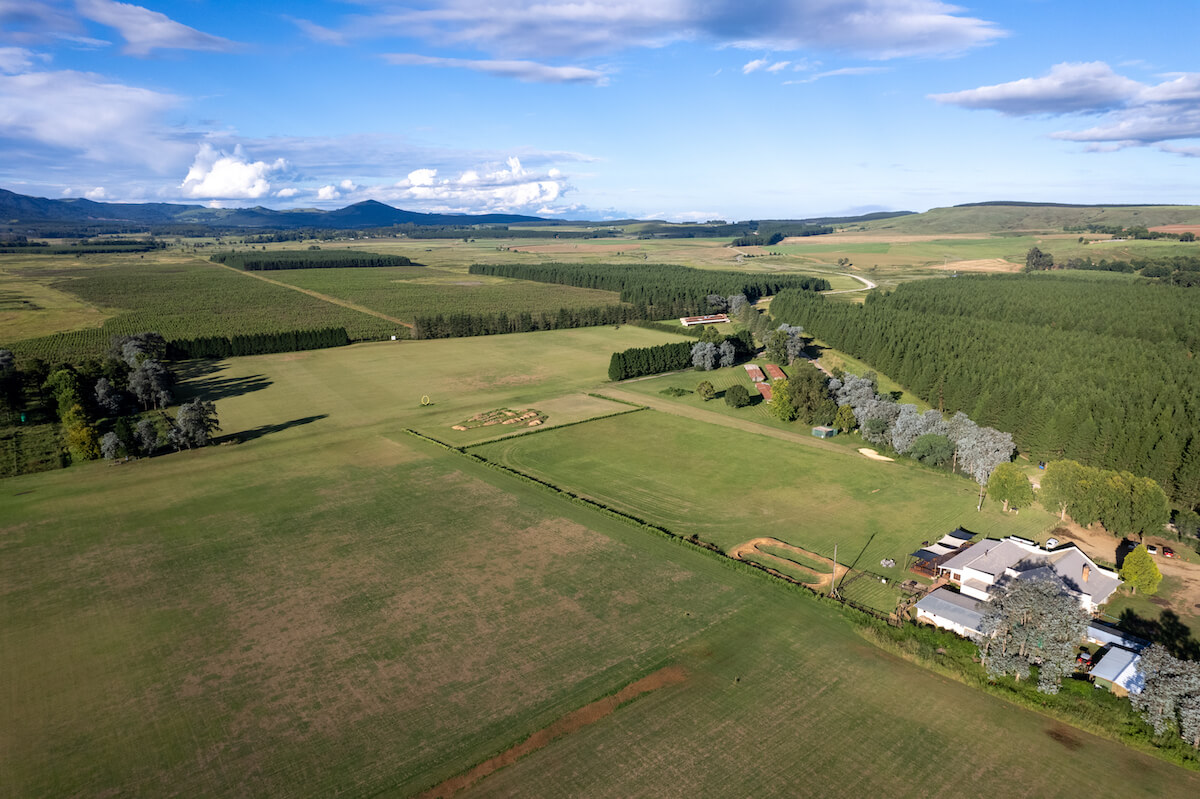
<point>1153,550</point>
<point>1169,553</point>
<point>1051,543</point>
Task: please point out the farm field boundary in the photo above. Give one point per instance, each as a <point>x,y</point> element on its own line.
<point>323,297</point>
<point>691,541</point>
<point>700,415</point>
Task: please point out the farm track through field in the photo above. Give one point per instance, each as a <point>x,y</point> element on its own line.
<point>573,721</point>
<point>323,297</point>
<point>701,415</point>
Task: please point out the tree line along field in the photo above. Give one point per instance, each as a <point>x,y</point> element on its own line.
<point>336,607</point>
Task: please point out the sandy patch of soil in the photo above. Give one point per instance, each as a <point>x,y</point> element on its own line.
<point>753,546</point>
<point>981,265</point>
<point>573,721</point>
<point>1176,229</point>
<point>873,455</point>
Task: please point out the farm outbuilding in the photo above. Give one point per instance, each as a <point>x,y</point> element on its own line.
<point>765,390</point>
<point>1117,671</point>
<point>775,373</point>
<point>824,431</point>
<point>756,373</point>
<point>711,319</point>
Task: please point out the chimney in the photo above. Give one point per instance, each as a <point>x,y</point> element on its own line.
<point>1086,569</point>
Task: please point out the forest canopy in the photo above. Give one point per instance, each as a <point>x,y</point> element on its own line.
<point>1100,372</point>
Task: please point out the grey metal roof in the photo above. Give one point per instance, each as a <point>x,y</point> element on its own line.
<point>968,553</point>
<point>1069,563</point>
<point>1111,635</point>
<point>953,606</point>
<point>1113,663</point>
<point>995,557</point>
<point>999,558</point>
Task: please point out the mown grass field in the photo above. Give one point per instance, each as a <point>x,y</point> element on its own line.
<point>336,608</point>
<point>727,487</point>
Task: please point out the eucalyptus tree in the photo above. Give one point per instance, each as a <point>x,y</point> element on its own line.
<point>1032,621</point>
<point>704,355</point>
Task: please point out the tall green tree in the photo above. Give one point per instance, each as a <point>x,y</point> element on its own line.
<point>1140,571</point>
<point>736,396</point>
<point>844,419</point>
<point>1009,485</point>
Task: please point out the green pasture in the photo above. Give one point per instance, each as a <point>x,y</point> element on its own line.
<point>995,218</point>
<point>333,607</point>
<point>178,297</point>
<point>408,292</point>
<point>786,703</point>
<point>727,486</point>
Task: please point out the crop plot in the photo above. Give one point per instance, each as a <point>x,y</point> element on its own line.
<point>503,416</point>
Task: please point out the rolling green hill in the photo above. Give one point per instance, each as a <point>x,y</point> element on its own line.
<point>1002,217</point>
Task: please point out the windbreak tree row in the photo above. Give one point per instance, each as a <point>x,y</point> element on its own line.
<point>306,259</point>
<point>458,325</point>
<point>257,343</point>
<point>1099,372</point>
<point>670,289</point>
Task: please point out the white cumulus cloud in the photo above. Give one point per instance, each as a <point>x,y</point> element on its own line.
<point>97,193</point>
<point>328,193</point>
<point>511,189</point>
<point>219,175</point>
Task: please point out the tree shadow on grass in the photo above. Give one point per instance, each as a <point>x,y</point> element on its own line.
<point>1167,630</point>
<point>216,388</point>
<point>264,430</point>
<point>194,370</point>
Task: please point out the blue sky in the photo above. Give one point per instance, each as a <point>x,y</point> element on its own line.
<point>677,109</point>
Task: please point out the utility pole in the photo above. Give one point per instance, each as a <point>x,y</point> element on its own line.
<point>833,582</point>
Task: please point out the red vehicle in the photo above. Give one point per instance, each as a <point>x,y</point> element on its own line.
<point>1169,553</point>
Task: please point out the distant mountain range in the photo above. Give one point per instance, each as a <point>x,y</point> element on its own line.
<point>16,209</point>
